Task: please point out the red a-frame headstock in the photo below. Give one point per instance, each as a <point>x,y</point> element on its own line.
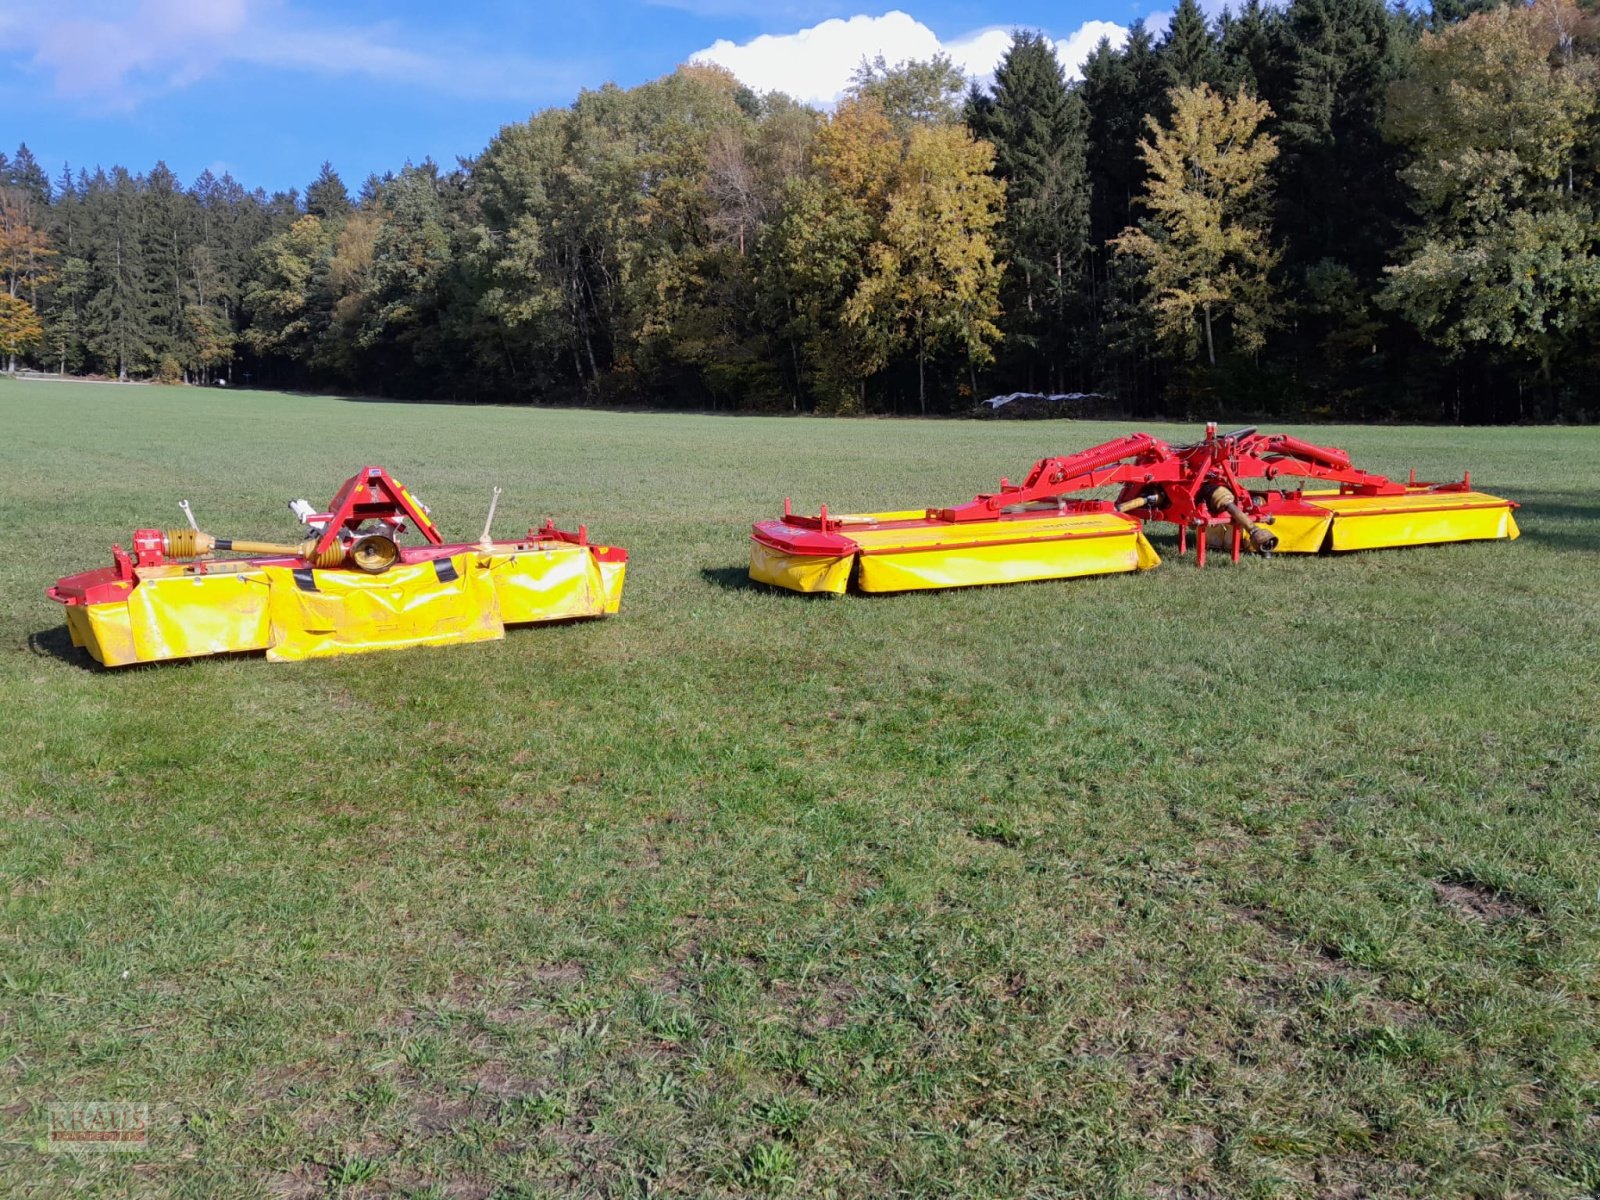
<point>372,494</point>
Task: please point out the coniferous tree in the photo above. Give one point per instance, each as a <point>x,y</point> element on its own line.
<point>977,111</point>
<point>116,319</point>
<point>1338,186</point>
<point>1188,52</point>
<point>1120,88</point>
<point>1039,130</point>
<point>166,235</point>
<point>24,172</point>
<point>1251,50</point>
<point>327,197</point>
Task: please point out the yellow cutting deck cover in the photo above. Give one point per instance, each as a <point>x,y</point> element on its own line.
<point>1380,522</point>
<point>799,572</point>
<point>900,557</point>
<point>554,584</point>
<point>172,614</point>
<point>298,614</point>
<point>985,552</point>
<point>445,602</point>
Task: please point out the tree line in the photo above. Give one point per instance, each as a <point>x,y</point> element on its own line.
<point>1332,208</point>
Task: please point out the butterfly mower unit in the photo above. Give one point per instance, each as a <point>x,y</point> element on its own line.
<point>348,587</point>
<point>1228,490</point>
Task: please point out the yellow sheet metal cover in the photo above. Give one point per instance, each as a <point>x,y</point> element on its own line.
<point>886,538</point>
<point>799,572</point>
<point>551,583</point>
<point>183,616</point>
<point>447,601</point>
<point>1299,533</point>
<point>1415,519</point>
<point>1016,550</point>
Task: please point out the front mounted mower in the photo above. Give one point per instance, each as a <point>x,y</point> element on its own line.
<point>348,587</point>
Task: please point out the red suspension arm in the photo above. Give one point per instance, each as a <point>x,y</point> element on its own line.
<point>1107,463</point>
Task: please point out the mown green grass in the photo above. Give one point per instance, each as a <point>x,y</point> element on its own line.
<point>1275,879</point>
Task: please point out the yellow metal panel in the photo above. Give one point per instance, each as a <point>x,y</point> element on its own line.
<point>799,572</point>
<point>612,575</point>
<point>965,565</point>
<point>549,585</point>
<point>1147,553</point>
<point>1300,534</point>
<point>104,631</point>
<point>1015,530</point>
<point>349,613</point>
<point>1417,519</point>
<point>182,616</point>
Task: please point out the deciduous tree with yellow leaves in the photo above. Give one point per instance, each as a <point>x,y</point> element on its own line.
<point>20,329</point>
<point>886,249</point>
<point>1206,249</point>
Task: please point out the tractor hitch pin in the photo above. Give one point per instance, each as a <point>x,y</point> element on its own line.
<point>184,504</point>
<point>488,521</point>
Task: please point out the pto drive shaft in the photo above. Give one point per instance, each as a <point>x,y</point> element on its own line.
<point>372,554</point>
<point>1262,541</point>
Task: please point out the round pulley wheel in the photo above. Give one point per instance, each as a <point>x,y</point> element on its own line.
<point>374,554</point>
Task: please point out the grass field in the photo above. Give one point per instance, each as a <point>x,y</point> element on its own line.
<point>1276,879</point>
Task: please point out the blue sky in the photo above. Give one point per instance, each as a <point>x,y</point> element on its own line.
<point>268,89</point>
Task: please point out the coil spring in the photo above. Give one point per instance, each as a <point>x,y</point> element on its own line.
<point>333,556</point>
<point>182,543</point>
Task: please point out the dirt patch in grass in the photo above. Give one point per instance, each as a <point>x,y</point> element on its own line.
<point>494,1080</point>
<point>302,1183</point>
<point>1473,901</point>
<point>562,974</point>
<point>436,1114</point>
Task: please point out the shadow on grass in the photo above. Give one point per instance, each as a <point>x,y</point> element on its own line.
<point>1555,539</point>
<point>735,579</point>
<point>56,643</point>
<point>1575,515</point>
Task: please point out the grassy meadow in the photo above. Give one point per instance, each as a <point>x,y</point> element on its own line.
<point>1277,879</point>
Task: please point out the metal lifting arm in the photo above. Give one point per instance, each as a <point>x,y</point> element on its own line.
<point>1269,456</point>
<point>1139,457</point>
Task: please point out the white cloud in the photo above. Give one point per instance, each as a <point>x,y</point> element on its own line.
<point>815,64</point>
<point>119,54</point>
<point>1074,49</point>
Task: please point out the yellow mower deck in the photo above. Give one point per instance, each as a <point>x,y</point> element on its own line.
<point>298,613</point>
<point>906,551</point>
<point>1418,518</point>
